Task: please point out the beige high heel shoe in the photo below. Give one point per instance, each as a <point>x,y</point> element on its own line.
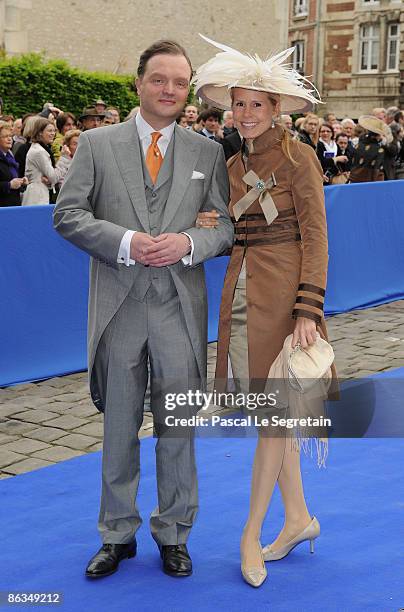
<point>254,576</point>
<point>311,532</point>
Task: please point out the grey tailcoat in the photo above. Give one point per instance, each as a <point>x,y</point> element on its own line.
<point>103,196</point>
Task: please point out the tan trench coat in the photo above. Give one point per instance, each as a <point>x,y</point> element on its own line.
<point>285,275</point>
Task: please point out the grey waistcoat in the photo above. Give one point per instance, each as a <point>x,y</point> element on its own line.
<point>156,284</point>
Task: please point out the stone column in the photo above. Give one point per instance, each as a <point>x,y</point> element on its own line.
<point>14,36</point>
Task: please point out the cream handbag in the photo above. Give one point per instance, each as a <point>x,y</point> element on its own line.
<point>306,366</point>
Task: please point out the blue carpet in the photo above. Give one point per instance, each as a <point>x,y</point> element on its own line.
<point>48,524</point>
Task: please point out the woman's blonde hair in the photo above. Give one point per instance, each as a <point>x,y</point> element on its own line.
<point>69,135</point>
<point>313,116</point>
<point>29,126</point>
<point>285,145</point>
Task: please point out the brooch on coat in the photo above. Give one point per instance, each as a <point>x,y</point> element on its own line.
<point>259,189</point>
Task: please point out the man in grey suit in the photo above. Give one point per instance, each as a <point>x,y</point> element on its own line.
<point>130,200</point>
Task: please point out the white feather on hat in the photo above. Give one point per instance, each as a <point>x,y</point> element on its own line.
<point>231,68</point>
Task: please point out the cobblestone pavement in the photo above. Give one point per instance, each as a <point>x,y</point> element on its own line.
<point>53,420</point>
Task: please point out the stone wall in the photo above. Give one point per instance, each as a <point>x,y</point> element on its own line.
<point>110,34</point>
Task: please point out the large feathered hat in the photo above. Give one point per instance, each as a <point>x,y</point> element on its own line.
<point>230,68</point>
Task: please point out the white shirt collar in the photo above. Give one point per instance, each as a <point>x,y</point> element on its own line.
<point>207,133</point>
<point>145,130</point>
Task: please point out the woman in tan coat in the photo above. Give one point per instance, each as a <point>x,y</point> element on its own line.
<point>276,279</point>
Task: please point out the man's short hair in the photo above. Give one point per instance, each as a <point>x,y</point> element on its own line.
<point>348,121</point>
<point>399,116</point>
<point>208,113</point>
<point>161,47</point>
<point>341,135</point>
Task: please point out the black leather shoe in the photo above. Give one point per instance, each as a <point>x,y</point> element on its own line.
<point>176,560</point>
<point>106,561</point>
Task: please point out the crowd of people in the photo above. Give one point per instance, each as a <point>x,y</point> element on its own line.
<point>36,150</point>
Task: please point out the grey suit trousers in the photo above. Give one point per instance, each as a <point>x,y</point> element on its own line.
<point>158,333</point>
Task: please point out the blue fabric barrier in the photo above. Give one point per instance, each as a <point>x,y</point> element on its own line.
<point>43,298</point>
<point>366,245</point>
<point>44,279</point>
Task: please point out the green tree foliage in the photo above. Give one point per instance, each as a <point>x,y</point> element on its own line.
<point>28,81</point>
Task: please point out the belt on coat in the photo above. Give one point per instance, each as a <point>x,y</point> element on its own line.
<point>256,233</point>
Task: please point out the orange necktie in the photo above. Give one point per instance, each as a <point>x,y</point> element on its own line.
<point>154,159</point>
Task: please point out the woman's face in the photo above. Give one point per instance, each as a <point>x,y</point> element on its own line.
<point>325,133</point>
<point>311,125</point>
<point>6,140</point>
<point>69,125</point>
<point>48,134</point>
<point>73,144</point>
<point>252,111</point>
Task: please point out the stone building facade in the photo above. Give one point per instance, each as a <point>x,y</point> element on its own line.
<point>107,35</point>
<point>353,50</point>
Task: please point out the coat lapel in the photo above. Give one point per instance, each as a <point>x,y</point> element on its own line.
<point>126,149</point>
<point>186,154</point>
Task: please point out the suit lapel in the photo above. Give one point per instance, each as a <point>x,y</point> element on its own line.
<point>186,154</point>
<point>126,149</point>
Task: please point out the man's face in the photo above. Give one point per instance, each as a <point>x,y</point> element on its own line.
<point>348,129</point>
<point>212,124</point>
<point>163,89</point>
<point>229,121</point>
<point>100,108</point>
<point>91,122</point>
<point>115,115</point>
<point>191,113</point>
<point>17,127</point>
<point>342,142</point>
<point>337,128</point>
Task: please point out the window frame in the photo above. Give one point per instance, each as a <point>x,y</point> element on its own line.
<point>299,44</point>
<point>390,40</point>
<point>300,8</point>
<point>371,40</point>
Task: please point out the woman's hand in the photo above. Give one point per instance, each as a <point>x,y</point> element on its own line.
<point>342,159</point>
<point>207,220</point>
<point>16,183</point>
<point>65,151</point>
<point>305,332</point>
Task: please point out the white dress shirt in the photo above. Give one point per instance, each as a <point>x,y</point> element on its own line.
<point>145,131</point>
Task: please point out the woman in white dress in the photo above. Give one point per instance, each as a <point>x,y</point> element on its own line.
<point>39,166</point>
